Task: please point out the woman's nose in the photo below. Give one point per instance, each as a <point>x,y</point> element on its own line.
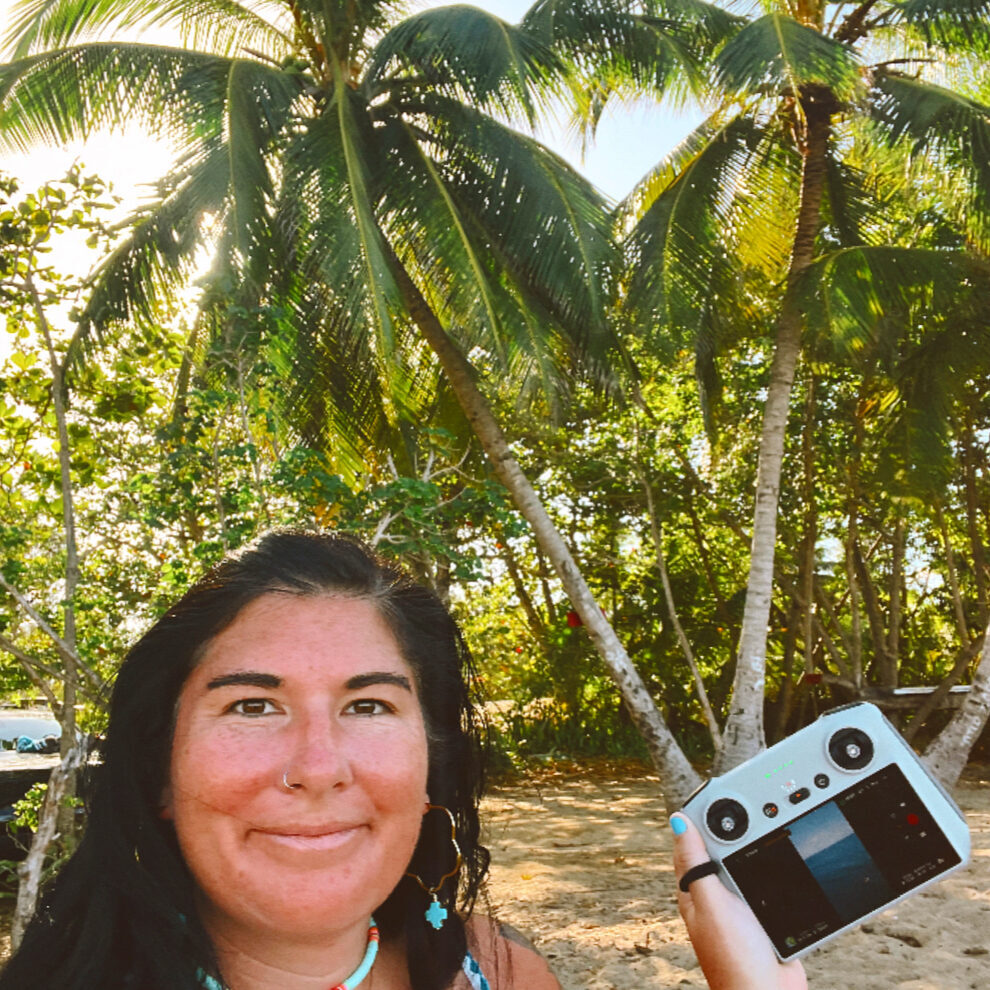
<point>319,760</point>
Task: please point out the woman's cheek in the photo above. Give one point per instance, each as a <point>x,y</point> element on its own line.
<point>225,770</point>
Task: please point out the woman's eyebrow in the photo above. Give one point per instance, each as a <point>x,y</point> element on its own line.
<point>378,677</point>
<point>248,678</point>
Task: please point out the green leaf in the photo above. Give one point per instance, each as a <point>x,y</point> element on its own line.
<point>937,120</point>
<point>467,51</point>
<point>776,52</point>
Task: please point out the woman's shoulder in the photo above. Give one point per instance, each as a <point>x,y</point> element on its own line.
<point>504,959</point>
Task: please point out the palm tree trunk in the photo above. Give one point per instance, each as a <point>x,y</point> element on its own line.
<point>678,776</point>
<point>743,735</point>
<point>947,755</point>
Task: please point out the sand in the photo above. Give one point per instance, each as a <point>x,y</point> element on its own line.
<point>581,864</point>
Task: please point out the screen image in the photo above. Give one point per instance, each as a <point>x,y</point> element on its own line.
<point>841,860</point>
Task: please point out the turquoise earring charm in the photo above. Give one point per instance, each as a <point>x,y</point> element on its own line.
<point>436,913</point>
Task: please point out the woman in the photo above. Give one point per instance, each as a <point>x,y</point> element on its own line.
<point>288,799</point>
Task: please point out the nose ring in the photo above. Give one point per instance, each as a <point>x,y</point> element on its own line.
<point>286,784</point>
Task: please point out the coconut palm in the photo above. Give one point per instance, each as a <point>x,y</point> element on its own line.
<point>802,93</point>
<point>367,206</point>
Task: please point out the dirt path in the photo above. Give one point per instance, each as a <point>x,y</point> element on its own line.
<point>581,863</point>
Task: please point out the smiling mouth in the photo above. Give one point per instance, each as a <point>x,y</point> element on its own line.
<point>309,840</point>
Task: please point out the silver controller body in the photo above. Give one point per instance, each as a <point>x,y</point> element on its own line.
<point>829,827</point>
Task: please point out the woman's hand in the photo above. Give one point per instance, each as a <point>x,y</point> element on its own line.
<point>732,948</point>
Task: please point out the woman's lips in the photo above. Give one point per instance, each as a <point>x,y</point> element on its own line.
<point>313,839</point>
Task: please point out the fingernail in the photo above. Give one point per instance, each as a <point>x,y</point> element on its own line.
<point>678,825</point>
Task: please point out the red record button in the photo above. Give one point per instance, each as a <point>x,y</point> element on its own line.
<point>770,809</point>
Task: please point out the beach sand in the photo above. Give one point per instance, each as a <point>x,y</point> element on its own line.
<point>581,864</point>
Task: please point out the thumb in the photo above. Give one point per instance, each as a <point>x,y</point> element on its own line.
<point>689,847</point>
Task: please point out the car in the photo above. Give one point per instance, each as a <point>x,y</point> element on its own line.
<point>35,724</point>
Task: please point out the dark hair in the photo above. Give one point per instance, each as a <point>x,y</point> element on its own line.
<point>121,913</point>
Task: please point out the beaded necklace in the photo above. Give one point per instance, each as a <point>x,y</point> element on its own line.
<point>357,977</point>
<point>352,981</point>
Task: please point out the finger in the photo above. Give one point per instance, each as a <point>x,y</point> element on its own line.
<point>690,851</point>
<point>689,847</point>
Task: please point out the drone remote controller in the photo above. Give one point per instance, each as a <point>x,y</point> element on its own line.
<point>829,827</point>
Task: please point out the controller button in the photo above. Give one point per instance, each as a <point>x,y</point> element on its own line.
<point>821,780</point>
<point>850,749</point>
<point>727,819</point>
<point>801,794</point>
<point>770,809</point>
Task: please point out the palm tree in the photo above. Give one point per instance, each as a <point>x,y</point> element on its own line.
<point>769,183</point>
<point>364,200</point>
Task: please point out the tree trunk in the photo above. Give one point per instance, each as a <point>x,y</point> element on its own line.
<point>668,594</point>
<point>30,870</point>
<point>855,623</point>
<point>533,617</point>
<point>947,755</point>
<point>935,700</point>
<point>743,735</point>
<point>977,549</point>
<point>890,672</point>
<point>64,810</point>
<point>952,575</point>
<point>678,776</point>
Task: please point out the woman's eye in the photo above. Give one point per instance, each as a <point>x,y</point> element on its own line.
<point>252,706</point>
<point>369,706</point>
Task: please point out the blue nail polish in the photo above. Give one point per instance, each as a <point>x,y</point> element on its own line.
<point>678,825</point>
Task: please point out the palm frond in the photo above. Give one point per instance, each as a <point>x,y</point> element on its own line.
<point>677,217</point>
<point>916,440</point>
<point>495,65</point>
<point>63,95</point>
<point>543,225</point>
<point>222,27</point>
<point>144,273</point>
<point>862,301</point>
<point>330,394</point>
<point>357,153</point>
<point>603,30</point>
<point>937,121</point>
<point>623,49</point>
<point>850,211</point>
<point>779,53</point>
<point>953,24</point>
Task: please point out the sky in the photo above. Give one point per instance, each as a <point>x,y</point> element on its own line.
<point>629,141</point>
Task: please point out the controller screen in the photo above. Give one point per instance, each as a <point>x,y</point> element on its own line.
<point>841,860</point>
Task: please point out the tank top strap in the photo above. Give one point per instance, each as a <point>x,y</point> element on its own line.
<point>475,977</point>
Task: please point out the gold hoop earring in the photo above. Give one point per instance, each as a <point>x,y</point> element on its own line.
<point>436,913</point>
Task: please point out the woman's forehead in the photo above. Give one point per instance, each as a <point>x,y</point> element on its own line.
<point>279,627</point>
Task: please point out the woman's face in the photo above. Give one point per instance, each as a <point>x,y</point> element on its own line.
<point>315,688</point>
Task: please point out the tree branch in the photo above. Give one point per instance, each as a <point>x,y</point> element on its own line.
<point>854,26</point>
<point>60,645</point>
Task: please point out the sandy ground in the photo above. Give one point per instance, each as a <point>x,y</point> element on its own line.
<point>581,863</point>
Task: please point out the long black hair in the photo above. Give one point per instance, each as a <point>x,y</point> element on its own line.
<point>121,914</point>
